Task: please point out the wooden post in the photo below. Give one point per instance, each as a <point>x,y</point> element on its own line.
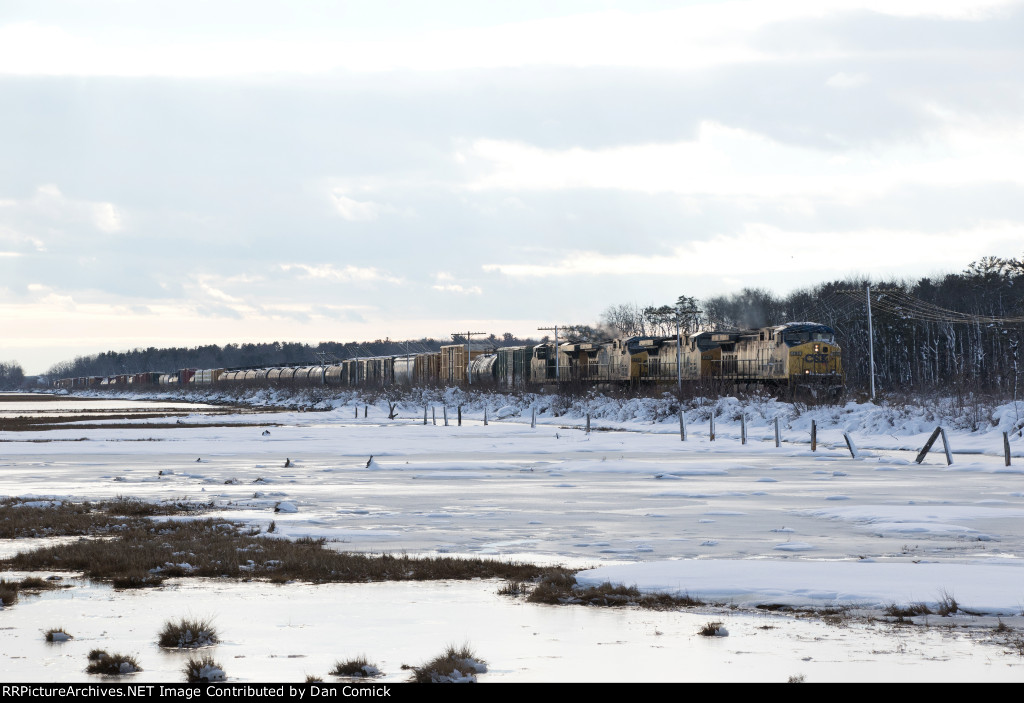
<point>743,429</point>
<point>433,415</point>
<point>814,436</point>
<point>682,427</point>
<point>533,418</point>
<point>424,414</point>
<point>588,423</point>
<point>485,416</point>
<point>712,430</point>
<point>365,408</point>
<point>1006,447</point>
<point>928,445</point>
<point>357,411</point>
<point>445,415</point>
<point>460,416</point>
<point>945,444</point>
<point>776,432</point>
<point>850,445</point>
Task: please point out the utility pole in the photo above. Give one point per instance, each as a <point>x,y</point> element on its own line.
<point>558,375</point>
<point>469,353</point>
<point>871,342</point>
<point>679,347</point>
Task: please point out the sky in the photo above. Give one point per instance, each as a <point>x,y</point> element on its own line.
<point>195,172</point>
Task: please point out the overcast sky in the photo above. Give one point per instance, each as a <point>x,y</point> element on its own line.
<point>212,171</point>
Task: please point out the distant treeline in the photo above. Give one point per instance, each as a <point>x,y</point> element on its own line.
<point>211,356</point>
<point>957,333</point>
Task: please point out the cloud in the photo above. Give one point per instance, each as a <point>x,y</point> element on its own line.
<point>348,273</point>
<point>446,283</point>
<point>354,210</point>
<point>767,248</point>
<point>846,80</point>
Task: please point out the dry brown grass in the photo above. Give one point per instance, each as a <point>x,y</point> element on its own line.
<point>188,634</point>
<point>111,664</point>
<point>19,519</point>
<point>560,588</point>
<point>454,663</point>
<point>136,551</point>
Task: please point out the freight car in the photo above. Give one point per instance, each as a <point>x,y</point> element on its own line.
<point>793,355</point>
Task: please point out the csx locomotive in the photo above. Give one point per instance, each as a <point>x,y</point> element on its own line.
<point>792,355</point>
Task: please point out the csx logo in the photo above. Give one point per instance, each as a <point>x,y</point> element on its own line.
<point>816,358</point>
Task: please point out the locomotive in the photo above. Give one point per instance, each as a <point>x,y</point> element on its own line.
<point>792,355</point>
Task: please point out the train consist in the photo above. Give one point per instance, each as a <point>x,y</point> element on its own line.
<point>796,354</point>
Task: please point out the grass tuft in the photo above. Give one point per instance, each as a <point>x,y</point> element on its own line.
<point>455,665</point>
<point>58,634</point>
<point>111,664</point>
<point>187,634</point>
<point>907,611</point>
<point>947,604</point>
<point>9,592</point>
<point>355,667</point>
<point>713,629</point>
<point>203,670</point>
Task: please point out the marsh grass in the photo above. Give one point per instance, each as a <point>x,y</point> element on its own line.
<point>9,592</point>
<point>355,667</point>
<point>203,670</point>
<point>20,518</point>
<point>560,588</point>
<point>142,552</point>
<point>947,604</point>
<point>58,634</point>
<point>907,611</point>
<point>188,634</point>
<point>455,664</point>
<point>712,629</point>
<point>111,664</point>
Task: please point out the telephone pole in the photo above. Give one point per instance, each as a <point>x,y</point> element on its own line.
<point>558,375</point>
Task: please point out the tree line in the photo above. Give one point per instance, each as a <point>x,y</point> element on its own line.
<point>957,333</point>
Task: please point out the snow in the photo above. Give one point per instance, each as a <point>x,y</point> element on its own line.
<point>742,525</point>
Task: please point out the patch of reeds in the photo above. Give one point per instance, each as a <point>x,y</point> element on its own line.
<point>357,667</point>
<point>142,552</point>
<point>9,592</point>
<point>188,634</point>
<point>203,670</point>
<point>560,588</point>
<point>713,629</point>
<point>907,611</point>
<point>20,518</point>
<point>455,665</point>
<point>111,664</point>
<point>947,604</point>
<point>57,634</point>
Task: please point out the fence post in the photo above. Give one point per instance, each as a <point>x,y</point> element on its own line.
<point>945,444</point>
<point>533,418</point>
<point>1006,447</point>
<point>712,426</point>
<point>365,408</point>
<point>433,415</point>
<point>460,416</point>
<point>928,445</point>
<point>814,436</point>
<point>445,407</point>
<point>485,416</point>
<point>776,432</point>
<point>850,445</point>
<point>424,414</point>
<point>588,423</point>
<point>682,427</point>
<point>743,429</point>
<point>357,411</point>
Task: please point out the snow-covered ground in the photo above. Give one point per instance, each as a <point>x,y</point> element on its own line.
<point>731,523</point>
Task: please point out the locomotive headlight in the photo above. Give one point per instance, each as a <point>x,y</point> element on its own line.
<point>807,371</point>
<point>817,348</point>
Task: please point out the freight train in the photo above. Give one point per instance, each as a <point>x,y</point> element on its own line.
<point>793,355</point>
